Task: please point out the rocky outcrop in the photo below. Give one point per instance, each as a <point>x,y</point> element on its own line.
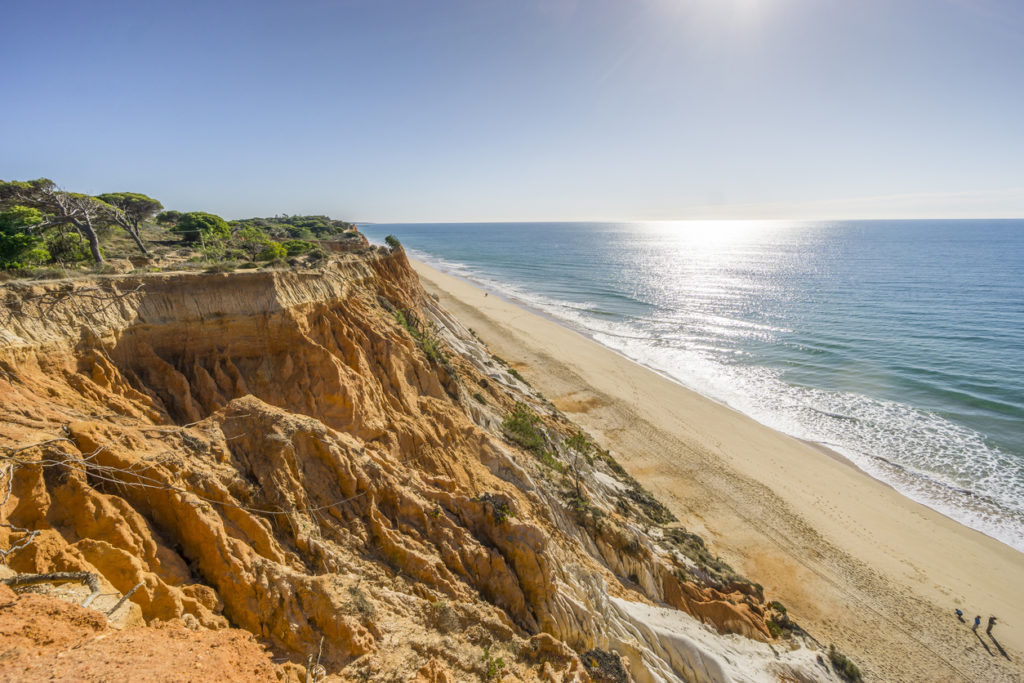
<point>322,458</point>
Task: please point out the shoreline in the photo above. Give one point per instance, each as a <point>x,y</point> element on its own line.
<point>832,452</point>
<point>843,551</point>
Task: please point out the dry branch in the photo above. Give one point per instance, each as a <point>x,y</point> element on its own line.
<point>88,578</point>
<point>124,597</point>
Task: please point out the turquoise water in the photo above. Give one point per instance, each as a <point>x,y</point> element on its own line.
<point>899,344</point>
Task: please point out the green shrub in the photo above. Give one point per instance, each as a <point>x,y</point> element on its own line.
<point>298,227</point>
<point>67,247</point>
<point>216,250</point>
<point>250,240</point>
<point>168,217</point>
<point>272,251</point>
<point>298,247</point>
<point>578,504</point>
<point>479,398</point>
<point>426,339</point>
<point>502,512</point>
<point>548,458</point>
<point>18,246</point>
<point>843,666</point>
<point>515,373</point>
<point>582,444</point>
<point>194,224</point>
<point>392,242</point>
<point>299,232</point>
<point>492,667</point>
<point>432,347</point>
<point>521,428</point>
<point>712,569</point>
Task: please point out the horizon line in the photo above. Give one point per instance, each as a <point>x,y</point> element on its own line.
<point>682,220</point>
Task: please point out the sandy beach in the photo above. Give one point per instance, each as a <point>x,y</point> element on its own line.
<point>855,563</point>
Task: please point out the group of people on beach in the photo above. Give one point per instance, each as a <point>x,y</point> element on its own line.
<point>977,622</point>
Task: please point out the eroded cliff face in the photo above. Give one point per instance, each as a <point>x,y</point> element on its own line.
<point>319,458</point>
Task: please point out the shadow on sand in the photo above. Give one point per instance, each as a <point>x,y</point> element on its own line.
<point>983,643</point>
<point>999,647</point>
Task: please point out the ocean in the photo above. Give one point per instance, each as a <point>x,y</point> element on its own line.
<point>898,344</point>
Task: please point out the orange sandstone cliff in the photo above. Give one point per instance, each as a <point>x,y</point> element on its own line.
<point>320,475</point>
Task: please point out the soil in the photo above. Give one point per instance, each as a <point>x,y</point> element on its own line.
<point>47,639</point>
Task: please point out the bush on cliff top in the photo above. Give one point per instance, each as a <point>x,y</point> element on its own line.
<point>43,224</point>
<point>199,226</point>
<point>298,227</point>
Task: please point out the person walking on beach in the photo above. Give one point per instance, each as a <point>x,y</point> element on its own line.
<point>991,623</point>
<point>977,623</point>
<point>960,614</point>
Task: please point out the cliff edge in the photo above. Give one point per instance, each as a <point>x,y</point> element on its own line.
<point>328,461</point>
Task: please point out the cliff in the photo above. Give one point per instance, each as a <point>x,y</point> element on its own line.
<point>328,461</point>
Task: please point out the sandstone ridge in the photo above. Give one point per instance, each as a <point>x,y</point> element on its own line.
<point>325,459</point>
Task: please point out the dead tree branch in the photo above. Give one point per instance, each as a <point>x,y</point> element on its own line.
<point>88,578</point>
<point>124,598</point>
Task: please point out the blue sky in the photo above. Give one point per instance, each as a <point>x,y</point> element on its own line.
<point>382,110</point>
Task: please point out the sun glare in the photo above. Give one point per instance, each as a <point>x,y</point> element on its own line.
<point>713,232</point>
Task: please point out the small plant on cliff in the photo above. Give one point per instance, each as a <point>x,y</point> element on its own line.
<point>778,622</point>
<point>499,508</point>
<point>604,666</point>
<point>843,666</point>
<point>515,373</point>
<point>442,616</point>
<point>549,459</point>
<point>492,666</point>
<point>521,428</point>
<point>710,569</point>
<point>392,242</point>
<point>501,513</point>
<point>425,338</point>
<point>577,503</point>
<point>360,603</point>
<point>479,398</point>
<point>582,444</point>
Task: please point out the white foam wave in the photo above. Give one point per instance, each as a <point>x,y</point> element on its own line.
<point>925,457</point>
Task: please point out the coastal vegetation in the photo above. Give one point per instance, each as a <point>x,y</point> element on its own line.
<point>843,665</point>
<point>521,427</point>
<point>47,231</point>
<point>425,336</point>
